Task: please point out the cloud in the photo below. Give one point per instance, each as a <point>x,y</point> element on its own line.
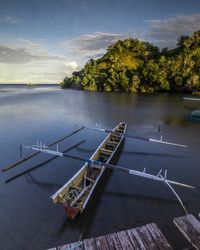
<point>73,65</point>
<point>24,51</point>
<point>92,45</point>
<point>10,19</point>
<point>25,60</point>
<point>165,32</point>
<point>36,72</point>
<point>93,42</point>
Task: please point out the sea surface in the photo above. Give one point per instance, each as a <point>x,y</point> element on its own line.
<point>29,219</point>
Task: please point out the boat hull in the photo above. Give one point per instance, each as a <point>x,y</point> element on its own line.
<point>75,194</point>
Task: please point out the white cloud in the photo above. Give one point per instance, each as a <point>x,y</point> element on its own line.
<point>10,19</point>
<point>93,42</point>
<point>91,45</point>
<point>24,60</point>
<point>165,32</point>
<point>23,51</point>
<point>73,64</point>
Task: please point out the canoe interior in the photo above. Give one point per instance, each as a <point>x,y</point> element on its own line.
<point>77,191</point>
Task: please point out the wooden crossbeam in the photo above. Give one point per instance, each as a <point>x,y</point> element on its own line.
<point>105,151</point>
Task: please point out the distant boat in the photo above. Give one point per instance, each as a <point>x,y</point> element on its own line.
<point>196,113</point>
<point>191,98</point>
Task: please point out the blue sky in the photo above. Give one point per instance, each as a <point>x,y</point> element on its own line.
<point>43,41</point>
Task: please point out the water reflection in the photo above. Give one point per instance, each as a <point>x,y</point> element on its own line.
<point>119,201</point>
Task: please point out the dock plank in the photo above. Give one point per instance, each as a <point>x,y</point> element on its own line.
<point>101,243</point>
<point>158,237</point>
<point>133,234</point>
<point>189,226</point>
<point>113,241</point>
<point>89,244</point>
<point>125,241</point>
<point>146,238</point>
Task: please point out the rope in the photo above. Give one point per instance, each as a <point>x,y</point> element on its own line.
<point>174,192</point>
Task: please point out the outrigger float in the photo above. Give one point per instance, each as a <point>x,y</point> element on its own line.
<point>75,194</point>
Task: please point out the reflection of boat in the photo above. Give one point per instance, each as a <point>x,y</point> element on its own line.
<point>196,113</point>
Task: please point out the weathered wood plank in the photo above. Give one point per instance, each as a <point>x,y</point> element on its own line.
<point>113,241</point>
<point>158,237</point>
<point>133,234</point>
<point>141,238</point>
<point>146,238</point>
<point>101,243</point>
<point>189,226</point>
<point>111,142</point>
<point>89,244</point>
<point>125,241</point>
<point>194,222</point>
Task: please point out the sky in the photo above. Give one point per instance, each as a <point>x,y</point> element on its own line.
<point>43,41</point>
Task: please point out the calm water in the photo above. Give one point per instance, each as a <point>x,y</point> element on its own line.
<point>29,220</point>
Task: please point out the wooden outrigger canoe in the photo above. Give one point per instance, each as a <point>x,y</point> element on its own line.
<point>75,194</point>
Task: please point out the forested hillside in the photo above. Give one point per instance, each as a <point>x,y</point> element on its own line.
<point>137,66</point>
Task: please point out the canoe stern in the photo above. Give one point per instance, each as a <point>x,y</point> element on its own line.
<point>71,212</point>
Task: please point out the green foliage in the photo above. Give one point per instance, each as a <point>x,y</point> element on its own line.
<point>136,66</point>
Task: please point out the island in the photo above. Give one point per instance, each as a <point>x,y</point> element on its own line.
<point>137,66</point>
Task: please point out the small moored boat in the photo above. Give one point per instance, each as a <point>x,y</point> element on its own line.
<point>75,194</point>
<point>196,113</point>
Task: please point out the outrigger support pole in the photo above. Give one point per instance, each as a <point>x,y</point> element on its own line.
<point>126,135</point>
<point>143,174</point>
<point>32,155</point>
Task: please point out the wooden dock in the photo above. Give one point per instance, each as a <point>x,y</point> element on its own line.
<point>145,237</point>
<point>189,226</point>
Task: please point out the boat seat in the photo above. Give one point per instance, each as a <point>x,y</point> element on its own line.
<point>116,136</point>
<point>112,143</point>
<point>120,130</point>
<point>110,146</point>
<point>115,139</point>
<point>105,151</point>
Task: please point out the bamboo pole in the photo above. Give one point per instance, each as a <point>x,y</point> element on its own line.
<point>139,137</point>
<point>43,163</point>
<point>36,153</point>
<point>129,171</point>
